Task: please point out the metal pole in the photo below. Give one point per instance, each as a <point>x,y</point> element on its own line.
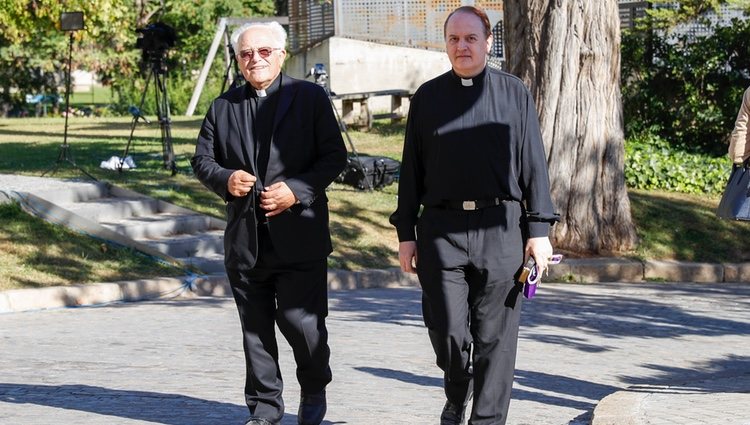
<point>67,90</point>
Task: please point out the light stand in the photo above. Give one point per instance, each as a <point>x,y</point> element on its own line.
<point>70,22</point>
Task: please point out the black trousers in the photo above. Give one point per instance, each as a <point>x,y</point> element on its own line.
<point>294,297</point>
<point>467,261</point>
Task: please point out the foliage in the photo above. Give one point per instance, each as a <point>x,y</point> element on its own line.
<point>651,164</point>
<point>666,14</point>
<point>686,91</point>
<point>33,52</point>
<point>194,24</point>
<point>180,85</point>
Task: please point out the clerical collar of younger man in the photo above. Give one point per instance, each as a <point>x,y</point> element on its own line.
<point>469,82</point>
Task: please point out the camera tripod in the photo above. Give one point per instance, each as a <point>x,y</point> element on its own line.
<point>319,74</point>
<point>158,73</point>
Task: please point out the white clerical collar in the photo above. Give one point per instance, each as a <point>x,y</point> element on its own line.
<point>467,82</point>
<point>260,93</point>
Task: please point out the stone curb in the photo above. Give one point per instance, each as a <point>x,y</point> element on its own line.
<point>619,408</point>
<point>629,406</point>
<point>572,270</point>
<point>17,300</point>
<point>588,270</point>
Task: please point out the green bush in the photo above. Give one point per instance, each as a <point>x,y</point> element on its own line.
<point>686,90</point>
<point>651,163</point>
<point>180,86</point>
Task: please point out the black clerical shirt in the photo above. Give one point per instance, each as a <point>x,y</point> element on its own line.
<point>263,111</point>
<point>470,139</point>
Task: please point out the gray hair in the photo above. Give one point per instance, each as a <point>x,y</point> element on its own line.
<point>276,29</point>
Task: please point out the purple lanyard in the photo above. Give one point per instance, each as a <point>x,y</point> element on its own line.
<point>529,287</point>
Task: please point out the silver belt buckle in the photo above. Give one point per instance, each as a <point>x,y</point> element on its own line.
<point>469,205</point>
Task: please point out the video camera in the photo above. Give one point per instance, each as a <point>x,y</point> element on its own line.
<point>319,74</point>
<point>156,37</point>
<point>154,40</point>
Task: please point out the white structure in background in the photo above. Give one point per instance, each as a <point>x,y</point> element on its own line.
<point>630,10</point>
<point>371,45</point>
<point>82,81</point>
<point>375,52</point>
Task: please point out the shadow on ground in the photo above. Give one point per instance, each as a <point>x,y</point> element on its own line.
<point>160,408</point>
<point>603,316</point>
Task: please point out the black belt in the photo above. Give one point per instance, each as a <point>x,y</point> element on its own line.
<point>472,205</point>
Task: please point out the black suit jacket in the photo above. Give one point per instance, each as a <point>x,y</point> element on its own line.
<point>307,152</point>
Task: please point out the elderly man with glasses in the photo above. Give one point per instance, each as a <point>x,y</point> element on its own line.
<point>269,149</point>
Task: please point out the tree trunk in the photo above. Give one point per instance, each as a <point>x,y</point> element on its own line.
<point>568,54</point>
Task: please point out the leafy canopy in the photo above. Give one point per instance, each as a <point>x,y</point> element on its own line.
<point>666,14</point>
<point>33,51</point>
<point>682,89</point>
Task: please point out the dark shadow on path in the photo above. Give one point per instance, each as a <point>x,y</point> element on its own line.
<point>160,408</point>
<point>152,407</point>
<point>544,382</point>
<point>560,385</point>
<point>573,318</point>
<point>616,316</point>
<point>400,306</point>
<point>696,377</point>
<point>400,375</point>
<point>609,315</point>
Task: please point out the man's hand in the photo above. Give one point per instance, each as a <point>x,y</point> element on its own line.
<point>240,183</point>
<point>277,198</point>
<point>407,256</point>
<point>541,250</point>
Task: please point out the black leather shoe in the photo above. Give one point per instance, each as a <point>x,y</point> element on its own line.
<point>453,414</point>
<point>254,420</point>
<point>312,408</point>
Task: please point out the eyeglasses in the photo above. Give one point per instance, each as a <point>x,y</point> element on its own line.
<point>263,52</point>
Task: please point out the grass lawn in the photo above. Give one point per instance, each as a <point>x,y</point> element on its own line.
<point>671,226</point>
<point>684,227</point>
<point>93,96</point>
<point>362,236</point>
<point>65,257</point>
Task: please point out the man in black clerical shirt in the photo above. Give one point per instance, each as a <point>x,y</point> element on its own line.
<point>474,159</point>
<point>269,150</point>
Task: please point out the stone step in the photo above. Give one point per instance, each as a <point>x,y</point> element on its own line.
<point>160,225</point>
<point>143,223</point>
<point>75,192</point>
<point>113,209</point>
<point>211,264</point>
<point>188,245</point>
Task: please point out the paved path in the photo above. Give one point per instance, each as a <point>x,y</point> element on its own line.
<point>179,362</point>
